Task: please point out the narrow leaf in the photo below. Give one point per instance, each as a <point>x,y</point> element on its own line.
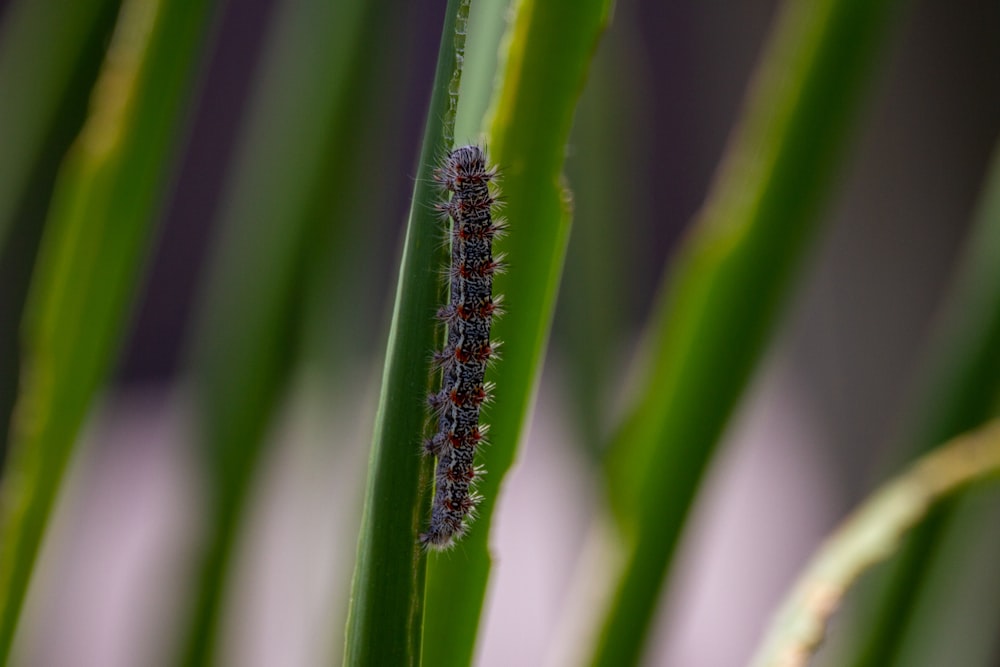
<point>95,240</point>
<point>726,289</point>
<point>50,53</point>
<point>384,622</point>
<point>299,141</point>
<point>549,48</point>
<point>41,46</point>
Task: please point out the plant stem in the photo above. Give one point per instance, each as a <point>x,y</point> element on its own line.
<point>959,392</point>
<point>871,535</point>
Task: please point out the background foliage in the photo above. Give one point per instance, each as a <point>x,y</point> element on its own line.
<point>717,212</point>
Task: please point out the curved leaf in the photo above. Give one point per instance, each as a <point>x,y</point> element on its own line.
<point>873,533</point>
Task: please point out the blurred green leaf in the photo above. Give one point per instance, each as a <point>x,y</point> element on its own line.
<point>50,53</point>
<point>42,45</point>
<point>539,86</point>
<point>594,300</point>
<point>726,288</point>
<point>295,161</point>
<point>96,238</point>
<point>956,613</point>
<point>960,390</point>
<point>384,623</point>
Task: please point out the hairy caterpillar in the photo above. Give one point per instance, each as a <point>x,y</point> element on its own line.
<point>468,316</point>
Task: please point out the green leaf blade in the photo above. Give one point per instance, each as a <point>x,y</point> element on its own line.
<point>533,111</point>
<point>99,225</point>
<point>40,47</point>
<point>50,53</point>
<point>384,625</point>
<point>726,288</point>
<point>284,200</point>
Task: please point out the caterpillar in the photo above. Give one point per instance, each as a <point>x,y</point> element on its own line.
<point>468,316</point>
